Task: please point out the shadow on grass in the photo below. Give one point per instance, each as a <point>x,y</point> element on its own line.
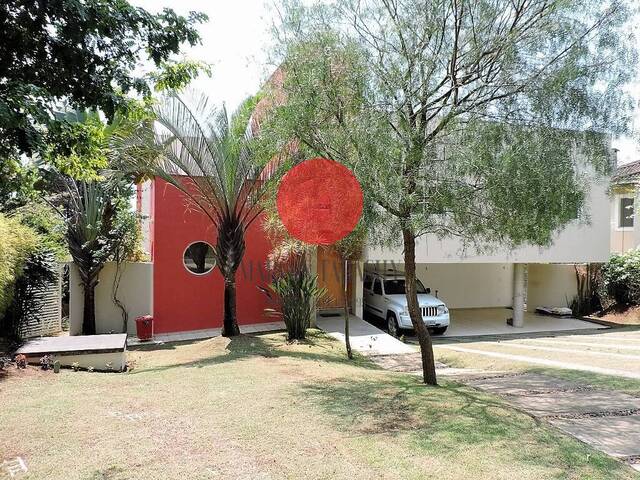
<point>252,346</point>
<point>448,421</point>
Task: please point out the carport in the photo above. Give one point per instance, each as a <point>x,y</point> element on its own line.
<point>482,296</point>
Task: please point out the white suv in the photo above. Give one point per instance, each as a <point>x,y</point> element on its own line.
<point>384,297</point>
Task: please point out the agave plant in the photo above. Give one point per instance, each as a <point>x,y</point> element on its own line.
<point>197,148</point>
<point>297,294</point>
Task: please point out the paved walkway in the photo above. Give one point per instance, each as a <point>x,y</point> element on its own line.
<point>607,420</point>
<point>365,338</point>
<point>191,335</point>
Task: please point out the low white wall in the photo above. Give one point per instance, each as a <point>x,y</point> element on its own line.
<point>550,285</point>
<point>103,362</point>
<point>135,293</point>
<point>465,285</point>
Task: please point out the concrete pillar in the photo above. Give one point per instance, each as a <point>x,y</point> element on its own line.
<point>357,277</point>
<point>518,294</point>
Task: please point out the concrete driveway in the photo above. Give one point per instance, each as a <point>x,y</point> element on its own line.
<point>467,322</point>
<point>610,352</point>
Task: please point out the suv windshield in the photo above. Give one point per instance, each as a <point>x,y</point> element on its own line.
<point>396,287</point>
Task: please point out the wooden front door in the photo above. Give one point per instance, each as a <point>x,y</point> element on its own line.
<point>331,277</point>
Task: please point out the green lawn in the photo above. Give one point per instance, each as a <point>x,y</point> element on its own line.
<point>258,408</point>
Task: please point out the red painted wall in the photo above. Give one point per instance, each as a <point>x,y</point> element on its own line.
<point>183,301</point>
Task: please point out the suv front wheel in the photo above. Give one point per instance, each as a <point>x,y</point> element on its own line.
<point>392,325</point>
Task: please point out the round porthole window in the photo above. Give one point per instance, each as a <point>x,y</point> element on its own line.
<point>198,258</point>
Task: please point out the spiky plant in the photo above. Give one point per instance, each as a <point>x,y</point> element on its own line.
<point>297,293</point>
<point>89,215</point>
<point>207,156</point>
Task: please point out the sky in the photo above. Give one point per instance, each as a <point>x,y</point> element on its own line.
<point>235,42</point>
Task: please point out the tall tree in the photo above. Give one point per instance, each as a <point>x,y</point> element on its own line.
<point>471,119</point>
<point>80,53</point>
<point>208,157</point>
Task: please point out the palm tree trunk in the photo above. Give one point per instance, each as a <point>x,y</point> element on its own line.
<point>230,325</point>
<point>426,347</point>
<point>89,309</point>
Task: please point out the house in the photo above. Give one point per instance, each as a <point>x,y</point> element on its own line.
<point>490,287</point>
<point>181,287</point>
<point>183,291</point>
<point>624,191</point>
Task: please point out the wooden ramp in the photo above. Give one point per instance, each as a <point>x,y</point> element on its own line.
<point>101,352</point>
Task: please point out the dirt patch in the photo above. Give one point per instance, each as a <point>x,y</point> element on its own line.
<point>621,315</point>
<point>31,372</point>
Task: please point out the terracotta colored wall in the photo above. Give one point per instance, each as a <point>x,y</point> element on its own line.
<point>183,301</point>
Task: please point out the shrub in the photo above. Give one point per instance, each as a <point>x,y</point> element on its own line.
<point>297,291</point>
<point>17,242</point>
<point>47,223</point>
<point>621,277</point>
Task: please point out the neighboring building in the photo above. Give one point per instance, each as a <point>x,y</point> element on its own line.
<point>624,192</point>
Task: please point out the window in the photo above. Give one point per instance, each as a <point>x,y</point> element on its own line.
<point>625,214</point>
<point>198,258</point>
<point>367,282</point>
<point>377,287</point>
<point>396,287</point>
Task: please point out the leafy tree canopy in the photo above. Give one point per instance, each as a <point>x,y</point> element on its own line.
<point>81,53</point>
<point>473,119</point>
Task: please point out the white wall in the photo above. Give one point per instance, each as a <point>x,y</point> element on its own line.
<point>135,292</point>
<point>577,243</point>
<point>464,285</point>
<point>478,285</point>
<point>550,285</point>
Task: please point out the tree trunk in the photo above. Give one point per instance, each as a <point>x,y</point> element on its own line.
<point>230,325</point>
<point>89,309</point>
<point>347,342</point>
<point>426,347</point>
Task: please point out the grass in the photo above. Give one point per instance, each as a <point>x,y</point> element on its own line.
<point>256,407</point>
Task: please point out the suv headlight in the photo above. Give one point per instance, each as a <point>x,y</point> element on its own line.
<point>442,309</point>
<point>404,313</point>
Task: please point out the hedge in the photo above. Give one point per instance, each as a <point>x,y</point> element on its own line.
<point>17,242</point>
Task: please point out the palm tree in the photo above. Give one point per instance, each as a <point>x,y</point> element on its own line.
<point>89,213</point>
<point>197,148</point>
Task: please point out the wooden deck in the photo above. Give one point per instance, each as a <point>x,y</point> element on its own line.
<point>75,345</point>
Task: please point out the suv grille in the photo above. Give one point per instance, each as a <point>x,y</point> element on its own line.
<point>429,311</point>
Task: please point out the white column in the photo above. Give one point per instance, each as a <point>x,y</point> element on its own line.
<point>518,294</point>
